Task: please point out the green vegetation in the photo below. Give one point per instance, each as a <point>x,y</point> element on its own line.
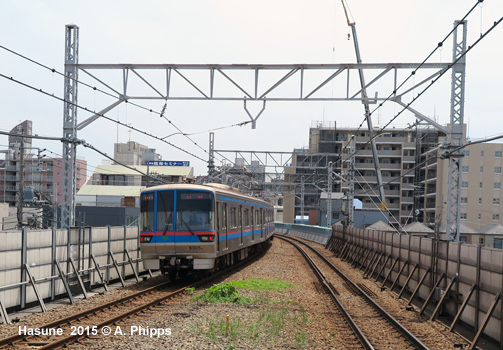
<point>224,292</point>
<point>262,284</point>
<point>269,323</point>
<point>190,291</point>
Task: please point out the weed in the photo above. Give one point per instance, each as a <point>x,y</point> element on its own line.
<point>190,291</point>
<point>222,293</point>
<point>300,340</point>
<point>262,284</point>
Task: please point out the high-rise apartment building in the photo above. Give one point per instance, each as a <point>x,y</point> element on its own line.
<point>413,174</point>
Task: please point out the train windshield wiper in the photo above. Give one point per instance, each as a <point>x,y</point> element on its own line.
<point>188,227</point>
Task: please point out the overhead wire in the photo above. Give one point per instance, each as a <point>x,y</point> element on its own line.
<point>161,114</point>
<point>412,74</point>
<point>101,115</point>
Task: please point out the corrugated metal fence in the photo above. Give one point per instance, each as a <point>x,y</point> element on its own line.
<point>463,280</point>
<point>37,265</point>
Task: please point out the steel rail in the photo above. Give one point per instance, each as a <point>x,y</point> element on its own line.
<point>363,340</point>
<point>66,341</point>
<point>397,325</point>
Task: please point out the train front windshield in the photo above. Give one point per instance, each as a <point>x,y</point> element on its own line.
<point>194,211</point>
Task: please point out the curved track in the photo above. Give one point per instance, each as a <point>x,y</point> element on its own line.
<point>107,314</point>
<point>372,325</point>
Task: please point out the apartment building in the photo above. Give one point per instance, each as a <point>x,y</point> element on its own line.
<point>24,162</point>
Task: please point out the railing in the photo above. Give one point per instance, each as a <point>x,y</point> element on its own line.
<point>317,234</point>
<point>69,261</point>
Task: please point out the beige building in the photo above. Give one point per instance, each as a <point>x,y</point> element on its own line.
<point>133,153</point>
<point>413,193</point>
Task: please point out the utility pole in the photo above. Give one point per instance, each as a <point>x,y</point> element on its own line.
<point>70,126</point>
<point>302,193</point>
<point>329,200</point>
<point>351,192</point>
<point>20,201</point>
<point>368,116</point>
<point>55,213</point>
<point>211,162</point>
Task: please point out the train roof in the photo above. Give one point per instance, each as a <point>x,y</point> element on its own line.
<point>214,187</point>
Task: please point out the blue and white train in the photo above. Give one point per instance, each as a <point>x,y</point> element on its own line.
<point>188,227</point>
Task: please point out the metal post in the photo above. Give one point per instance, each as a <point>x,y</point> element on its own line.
<point>302,193</point>
<point>20,198</point>
<point>70,125</point>
<point>211,161</point>
<point>55,213</point>
<point>456,132</point>
<point>351,192</point>
<point>329,200</point>
<point>24,240</point>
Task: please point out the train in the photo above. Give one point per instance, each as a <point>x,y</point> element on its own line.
<point>192,228</point>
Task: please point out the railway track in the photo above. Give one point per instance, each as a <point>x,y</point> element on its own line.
<point>101,320</point>
<point>371,325</point>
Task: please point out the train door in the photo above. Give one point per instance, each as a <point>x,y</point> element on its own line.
<point>262,228</point>
<point>226,227</point>
<point>252,223</point>
<point>219,224</point>
<point>240,222</point>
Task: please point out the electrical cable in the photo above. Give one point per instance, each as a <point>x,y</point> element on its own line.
<point>102,115</point>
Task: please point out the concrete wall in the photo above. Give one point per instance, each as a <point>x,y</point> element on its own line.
<point>39,249</point>
<point>312,233</point>
<point>473,264</point>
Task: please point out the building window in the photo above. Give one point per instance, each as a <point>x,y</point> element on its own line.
<point>481,240</point>
<point>498,243</point>
<point>480,185</point>
<point>496,217</point>
<point>466,153</point>
<point>481,169</point>
<point>462,216</point>
<point>480,216</point>
<point>464,168</point>
<point>480,200</point>
<point>464,184</point>
<point>386,148</point>
<point>496,201</point>
<point>464,200</point>
<point>497,185</point>
<point>497,170</point>
<point>482,153</point>
<point>497,154</point>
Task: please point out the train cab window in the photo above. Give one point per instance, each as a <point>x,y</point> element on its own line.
<point>147,211</point>
<point>165,205</point>
<point>194,211</point>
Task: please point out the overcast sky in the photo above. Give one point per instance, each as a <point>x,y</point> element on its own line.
<point>247,32</point>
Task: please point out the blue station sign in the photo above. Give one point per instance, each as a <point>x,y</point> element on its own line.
<point>167,163</point>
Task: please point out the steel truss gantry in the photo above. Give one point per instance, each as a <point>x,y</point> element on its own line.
<point>259,82</point>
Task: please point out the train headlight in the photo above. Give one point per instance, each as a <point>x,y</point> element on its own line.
<point>207,238</point>
<point>145,239</point>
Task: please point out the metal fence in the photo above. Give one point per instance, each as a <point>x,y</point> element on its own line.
<point>41,265</point>
<point>463,280</point>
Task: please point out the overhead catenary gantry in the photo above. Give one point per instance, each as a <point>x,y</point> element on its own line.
<point>262,85</point>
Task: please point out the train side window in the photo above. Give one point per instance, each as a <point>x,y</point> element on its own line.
<point>233,218</point>
<point>224,215</point>
<point>246,219</point>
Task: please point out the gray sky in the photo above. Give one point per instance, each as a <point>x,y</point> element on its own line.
<point>227,31</point>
